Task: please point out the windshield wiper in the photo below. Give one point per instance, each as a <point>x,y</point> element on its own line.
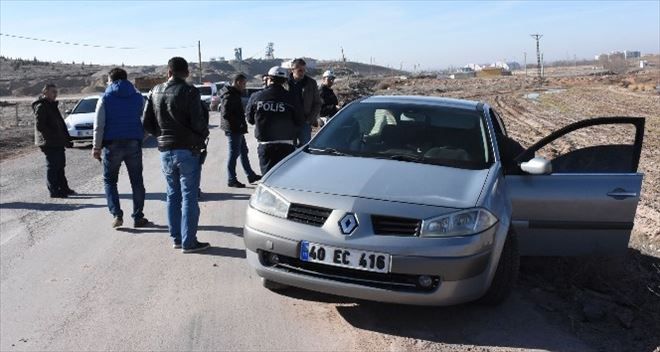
<point>328,151</point>
<point>405,157</point>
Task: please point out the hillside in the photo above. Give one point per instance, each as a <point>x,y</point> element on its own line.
<point>27,77</point>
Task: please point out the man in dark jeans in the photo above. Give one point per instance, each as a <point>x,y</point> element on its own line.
<point>174,115</point>
<point>118,135</point>
<point>233,122</point>
<point>51,136</point>
<point>306,93</point>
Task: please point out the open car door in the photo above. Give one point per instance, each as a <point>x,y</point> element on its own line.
<point>582,202</point>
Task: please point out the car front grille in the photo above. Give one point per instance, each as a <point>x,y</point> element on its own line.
<point>393,226</point>
<point>84,126</point>
<point>308,214</point>
<point>394,282</point>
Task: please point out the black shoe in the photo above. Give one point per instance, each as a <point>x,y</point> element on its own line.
<point>59,195</point>
<point>253,179</point>
<point>235,184</point>
<point>70,192</point>
<point>176,245</point>
<point>117,222</point>
<point>199,194</point>
<point>197,247</point>
<point>141,222</point>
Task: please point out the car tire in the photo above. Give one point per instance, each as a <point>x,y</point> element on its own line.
<point>272,285</point>
<point>506,273</point>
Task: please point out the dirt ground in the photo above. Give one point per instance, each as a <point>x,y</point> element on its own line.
<point>611,303</point>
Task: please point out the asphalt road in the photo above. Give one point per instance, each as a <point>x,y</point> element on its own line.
<point>68,281</point>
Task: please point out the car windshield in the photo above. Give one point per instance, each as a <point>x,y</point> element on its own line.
<point>421,133</point>
<point>85,106</point>
<point>205,90</point>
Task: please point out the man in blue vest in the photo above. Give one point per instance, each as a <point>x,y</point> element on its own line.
<point>118,136</point>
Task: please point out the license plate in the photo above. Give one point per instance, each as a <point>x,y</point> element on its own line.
<point>345,258</point>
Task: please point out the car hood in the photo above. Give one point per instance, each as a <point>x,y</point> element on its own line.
<point>74,119</point>
<point>391,180</point>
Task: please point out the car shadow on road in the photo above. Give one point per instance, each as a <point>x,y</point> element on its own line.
<point>49,206</point>
<point>155,228</point>
<point>206,197</point>
<point>224,252</point>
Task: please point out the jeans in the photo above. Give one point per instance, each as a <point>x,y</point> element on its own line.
<point>304,134</point>
<point>55,164</point>
<point>130,153</point>
<point>237,147</point>
<point>271,154</point>
<point>181,170</point>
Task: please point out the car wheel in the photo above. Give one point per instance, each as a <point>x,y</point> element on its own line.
<point>506,273</point>
<point>273,286</point>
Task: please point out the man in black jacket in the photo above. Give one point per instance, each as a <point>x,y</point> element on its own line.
<point>277,117</point>
<point>174,115</point>
<point>232,118</point>
<point>51,136</point>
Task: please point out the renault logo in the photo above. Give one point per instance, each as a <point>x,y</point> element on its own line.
<point>348,224</point>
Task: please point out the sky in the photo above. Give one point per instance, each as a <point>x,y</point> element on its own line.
<point>432,35</point>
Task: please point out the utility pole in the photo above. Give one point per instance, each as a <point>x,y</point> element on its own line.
<point>525,55</point>
<point>199,55</point>
<point>542,64</point>
<point>538,53</point>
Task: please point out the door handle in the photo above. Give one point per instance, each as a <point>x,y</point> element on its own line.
<point>621,194</point>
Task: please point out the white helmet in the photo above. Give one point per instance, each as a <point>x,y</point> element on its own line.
<point>329,74</point>
<point>277,71</point>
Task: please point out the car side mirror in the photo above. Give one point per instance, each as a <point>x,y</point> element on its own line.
<point>537,166</point>
<point>67,111</point>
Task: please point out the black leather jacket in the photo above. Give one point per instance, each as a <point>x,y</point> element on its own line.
<point>329,101</point>
<point>175,115</point>
<point>49,128</point>
<point>275,113</point>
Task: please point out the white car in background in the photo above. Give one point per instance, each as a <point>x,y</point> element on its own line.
<point>80,119</point>
<point>207,92</point>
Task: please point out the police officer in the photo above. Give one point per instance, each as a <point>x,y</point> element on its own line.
<point>277,118</point>
<point>329,101</point>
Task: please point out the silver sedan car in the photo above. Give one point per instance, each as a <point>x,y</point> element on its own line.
<point>427,201</point>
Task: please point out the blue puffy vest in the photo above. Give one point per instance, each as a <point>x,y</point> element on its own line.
<point>123,112</point>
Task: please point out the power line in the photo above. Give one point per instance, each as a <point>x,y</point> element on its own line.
<point>87,45</point>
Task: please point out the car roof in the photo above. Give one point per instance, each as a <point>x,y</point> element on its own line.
<point>91,97</point>
<point>418,99</point>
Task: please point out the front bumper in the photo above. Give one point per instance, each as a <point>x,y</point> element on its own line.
<point>80,135</point>
<point>458,278</point>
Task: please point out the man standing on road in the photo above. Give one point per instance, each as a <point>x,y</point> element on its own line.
<point>306,93</point>
<point>118,136</point>
<point>277,118</point>
<point>174,115</point>
<point>51,136</point>
<point>233,123</point>
<point>329,101</point>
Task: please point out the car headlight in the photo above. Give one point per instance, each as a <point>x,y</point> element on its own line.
<point>267,201</point>
<point>462,223</point>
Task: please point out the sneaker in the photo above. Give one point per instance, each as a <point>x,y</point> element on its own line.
<point>59,195</point>
<point>176,245</point>
<point>198,247</point>
<point>141,222</point>
<point>254,178</point>
<point>117,222</point>
<point>235,184</point>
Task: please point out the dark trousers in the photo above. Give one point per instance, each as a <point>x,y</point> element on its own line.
<point>237,148</point>
<point>271,154</point>
<point>130,153</point>
<point>55,163</point>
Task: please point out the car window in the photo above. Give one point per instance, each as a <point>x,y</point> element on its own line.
<point>410,132</point>
<point>595,149</point>
<point>205,90</point>
<point>85,106</point>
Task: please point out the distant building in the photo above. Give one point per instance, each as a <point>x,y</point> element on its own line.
<point>463,75</point>
<point>473,67</point>
<point>632,54</point>
<point>616,55</point>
